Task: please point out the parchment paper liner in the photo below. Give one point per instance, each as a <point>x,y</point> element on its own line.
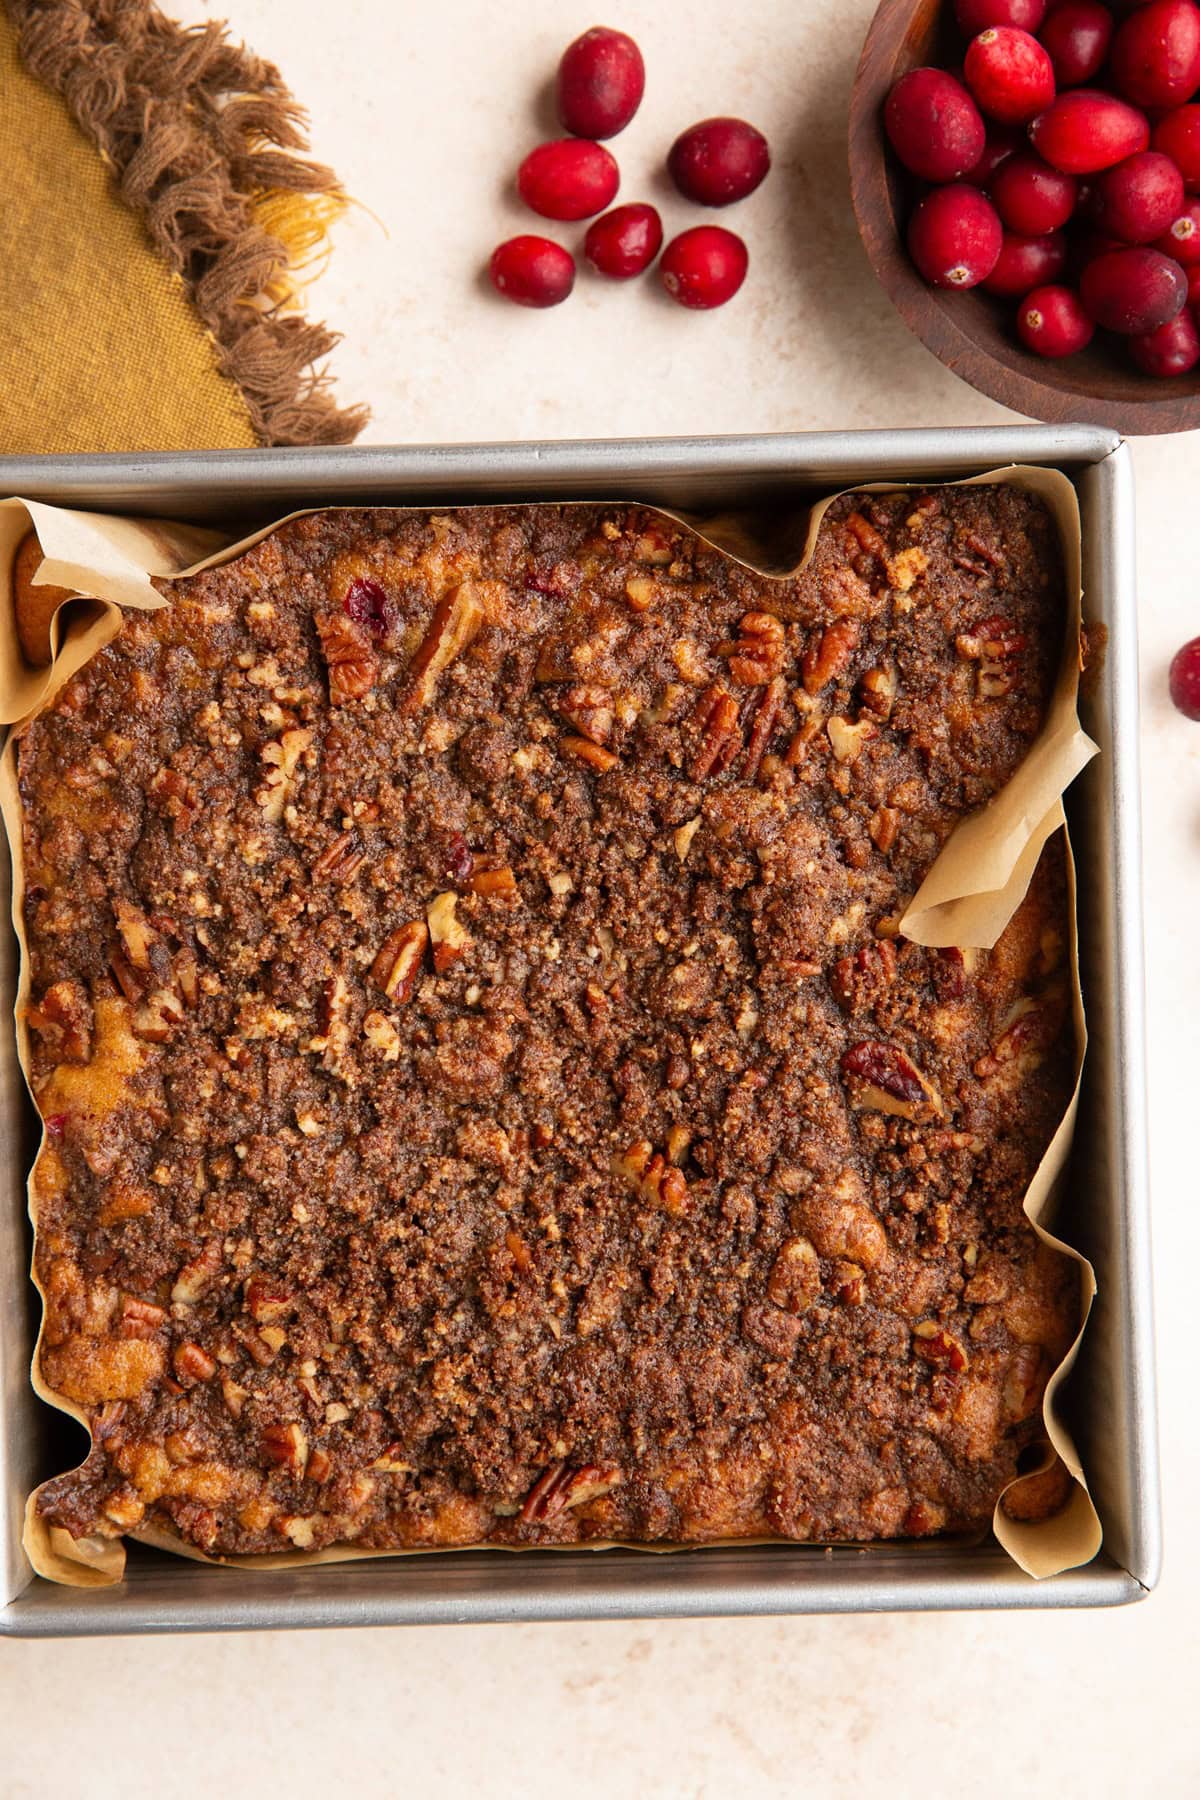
<point>967,899</point>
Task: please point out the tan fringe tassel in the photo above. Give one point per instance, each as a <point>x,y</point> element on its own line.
<point>200,135</point>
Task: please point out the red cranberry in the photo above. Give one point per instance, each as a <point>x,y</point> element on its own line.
<point>368,605</point>
<point>625,241</point>
<point>1027,262</point>
<point>1076,37</point>
<point>1087,130</point>
<point>533,271</point>
<point>954,236</point>
<point>933,125</point>
<point>1031,197</point>
<point>56,1124</point>
<point>1185,679</point>
<point>1138,199</point>
<point>1052,322</point>
<point>1155,57</point>
<point>1009,74</point>
<point>704,267</point>
<point>1133,291</point>
<point>571,178</point>
<point>601,79</point>
<point>977,15</point>
<point>1182,237</point>
<point>1002,141</point>
<point>1171,350</point>
<point>719,161</point>
<point>1178,136</point>
<point>1193,275</point>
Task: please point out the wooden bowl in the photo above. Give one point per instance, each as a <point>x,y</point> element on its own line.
<point>974,333</point>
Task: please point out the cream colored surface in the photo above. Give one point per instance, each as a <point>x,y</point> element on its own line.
<point>424,112</point>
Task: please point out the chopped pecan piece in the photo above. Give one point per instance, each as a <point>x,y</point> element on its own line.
<point>198,1275</point>
<point>863,977</point>
<point>493,881</point>
<point>193,1363</point>
<point>278,784</point>
<point>762,727</point>
<point>63,1018</point>
<point>879,692</point>
<point>934,1344</point>
<point>830,656</point>
<point>716,715</point>
<point>341,861</point>
<point>1033,1027</point>
<point>795,1278</point>
<point>585,751</point>
<point>447,936</point>
<point>266,1300</point>
<point>141,1318</point>
<point>398,964</point>
<point>865,534</point>
<point>756,654</point>
<point>560,1487</point>
<point>286,1446</point>
<point>993,644</point>
<point>137,933</point>
<point>353,664</point>
<point>847,738</point>
<point>158,1018</point>
<point>455,624</point>
<point>590,710</point>
<point>884,827</point>
<point>883,1078</point>
<point>652,1177</point>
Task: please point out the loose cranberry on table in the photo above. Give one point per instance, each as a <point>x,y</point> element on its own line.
<point>601,80</point>
<point>1009,73</point>
<point>1052,322</point>
<point>1185,679</point>
<point>1138,199</point>
<point>625,241</point>
<point>1027,262</point>
<point>955,236</point>
<point>1133,291</point>
<point>976,15</point>
<point>1172,350</point>
<point>934,126</point>
<point>1031,197</point>
<point>570,178</point>
<point>532,271</point>
<point>704,267</point>
<point>1181,239</point>
<point>1087,130</point>
<point>1076,37</point>
<point>719,161</point>
<point>1177,135</point>
<point>1155,56</point>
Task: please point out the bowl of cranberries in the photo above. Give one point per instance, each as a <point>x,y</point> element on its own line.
<point>1026,179</point>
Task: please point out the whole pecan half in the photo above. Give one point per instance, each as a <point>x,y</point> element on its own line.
<point>884,1078</point>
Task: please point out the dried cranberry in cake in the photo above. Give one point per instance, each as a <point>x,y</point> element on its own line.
<point>369,606</point>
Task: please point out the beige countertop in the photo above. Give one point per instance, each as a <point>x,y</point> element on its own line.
<point>424,112</point>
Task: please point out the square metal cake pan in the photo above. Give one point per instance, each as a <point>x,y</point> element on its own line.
<point>1111,1398</point>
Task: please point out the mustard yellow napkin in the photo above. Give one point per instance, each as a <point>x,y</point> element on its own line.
<point>149,253</point>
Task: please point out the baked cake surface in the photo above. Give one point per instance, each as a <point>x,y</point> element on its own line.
<point>487,1097</point>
